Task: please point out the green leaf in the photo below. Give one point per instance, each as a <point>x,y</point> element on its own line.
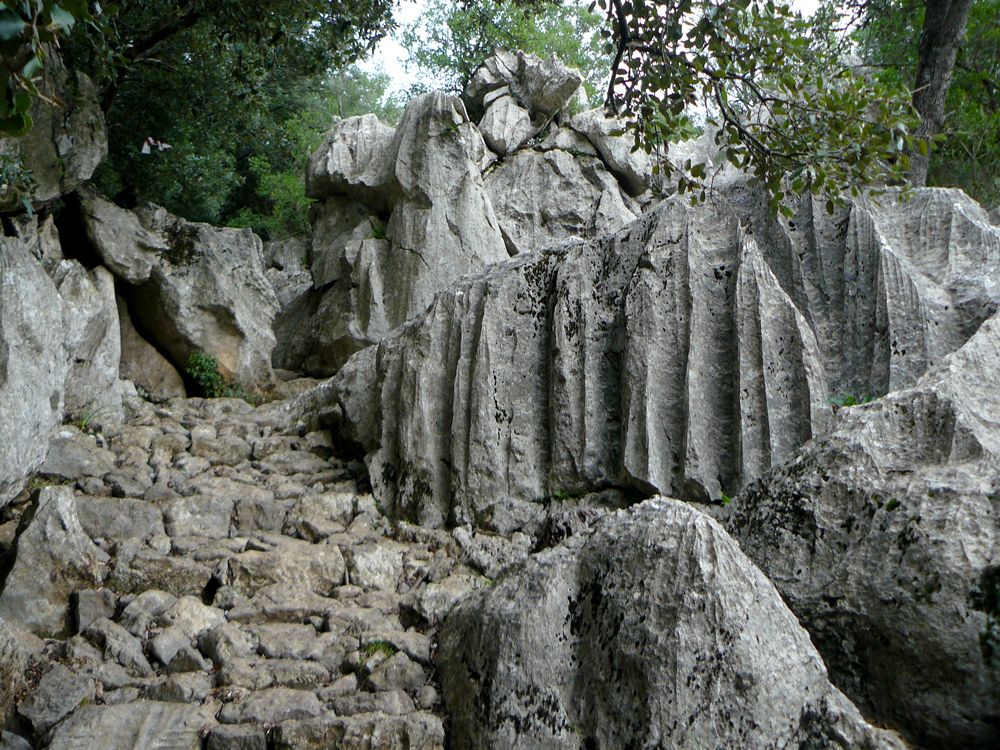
<point>12,26</point>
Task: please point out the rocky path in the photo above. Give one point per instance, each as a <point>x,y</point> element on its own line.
<point>198,578</point>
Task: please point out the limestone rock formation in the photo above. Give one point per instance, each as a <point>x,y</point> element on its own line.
<point>53,558</point>
<point>66,142</point>
<point>208,293</point>
<point>506,126</point>
<point>655,630</point>
<point>632,168</point>
<point>126,247</point>
<point>542,87</point>
<point>286,264</point>
<point>544,197</point>
<point>890,288</point>
<point>92,341</point>
<point>606,363</point>
<point>686,356</point>
<point>355,159</point>
<point>883,538</point>
<point>33,364</point>
<point>418,218</point>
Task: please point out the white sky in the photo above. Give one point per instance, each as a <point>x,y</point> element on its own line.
<point>390,56</point>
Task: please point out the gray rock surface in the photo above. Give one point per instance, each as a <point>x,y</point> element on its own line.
<point>660,603</point>
<point>541,86</point>
<point>20,650</point>
<point>92,340</point>
<point>506,126</point>
<point>890,288</point>
<point>355,159</point>
<point>73,454</point>
<point>423,223</point>
<point>688,355</point>
<point>128,249</point>
<point>632,168</point>
<point>66,142</point>
<point>134,725</point>
<point>57,694</point>
<point>53,557</point>
<point>153,375</point>
<point>33,366</point>
<point>542,198</point>
<point>883,538</point>
<point>600,363</point>
<point>286,266</point>
<point>208,294</point>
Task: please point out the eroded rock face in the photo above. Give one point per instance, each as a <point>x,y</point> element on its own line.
<point>127,248</point>
<point>154,377</point>
<point>686,356</point>
<point>208,293</point>
<point>92,341</point>
<point>33,364</point>
<point>355,159</point>
<point>660,603</point>
<point>53,558</point>
<point>633,168</point>
<point>419,219</point>
<point>612,363</point>
<point>542,87</point>
<point>889,288</point>
<point>883,537</point>
<point>544,197</point>
<point>67,142</point>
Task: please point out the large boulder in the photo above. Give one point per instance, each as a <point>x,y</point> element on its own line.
<point>654,631</point>
<point>33,364</point>
<point>127,248</point>
<point>52,558</point>
<point>883,539</point>
<point>208,293</point>
<point>92,341</point>
<point>380,255</point>
<point>66,142</point>
<point>666,359</point>
<point>354,159</point>
<point>543,87</point>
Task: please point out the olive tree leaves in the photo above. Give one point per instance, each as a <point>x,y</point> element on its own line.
<point>785,102</point>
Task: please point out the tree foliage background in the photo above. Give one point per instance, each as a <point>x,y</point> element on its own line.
<point>243,91</point>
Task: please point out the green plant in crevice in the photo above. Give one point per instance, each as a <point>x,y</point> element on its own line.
<point>841,401</point>
<point>203,369</point>
<point>378,647</point>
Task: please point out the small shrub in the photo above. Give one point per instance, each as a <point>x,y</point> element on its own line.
<point>203,369</point>
<point>378,647</point>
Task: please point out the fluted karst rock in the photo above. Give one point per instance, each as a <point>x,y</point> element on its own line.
<point>883,539</point>
<point>653,631</point>
<point>606,363</point>
<point>672,358</point>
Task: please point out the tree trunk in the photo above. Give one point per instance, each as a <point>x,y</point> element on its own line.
<point>944,26</point>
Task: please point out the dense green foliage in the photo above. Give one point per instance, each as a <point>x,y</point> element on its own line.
<point>968,153</point>
<point>451,39</point>
<point>240,95</point>
<point>784,102</point>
